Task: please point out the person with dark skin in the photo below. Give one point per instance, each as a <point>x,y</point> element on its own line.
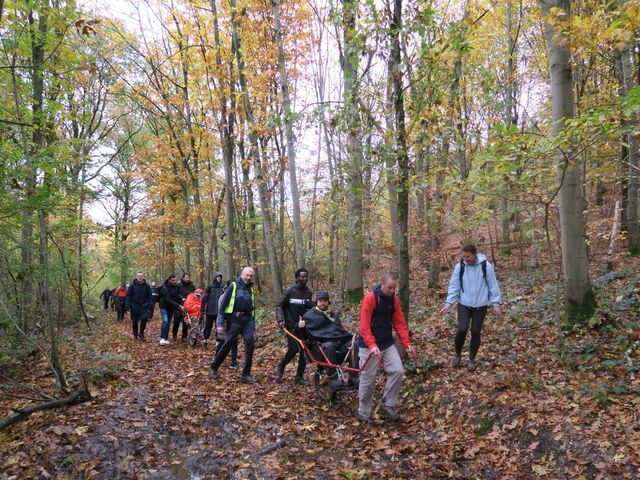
<point>323,326</point>
<point>237,308</point>
<point>293,304</point>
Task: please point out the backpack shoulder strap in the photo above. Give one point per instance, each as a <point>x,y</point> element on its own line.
<point>461,274</point>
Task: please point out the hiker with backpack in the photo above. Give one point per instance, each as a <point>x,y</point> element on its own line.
<point>474,286</point>
<point>237,309</point>
<point>209,311</point>
<point>380,315</point>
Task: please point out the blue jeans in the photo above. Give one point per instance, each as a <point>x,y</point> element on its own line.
<point>166,314</point>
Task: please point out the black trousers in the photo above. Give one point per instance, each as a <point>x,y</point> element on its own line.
<point>474,317</point>
<point>293,348</point>
<point>119,311</point>
<point>138,318</point>
<point>337,351</point>
<point>234,330</point>
<point>178,319</point>
<point>208,327</point>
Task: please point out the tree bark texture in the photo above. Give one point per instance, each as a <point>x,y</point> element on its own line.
<point>579,297</point>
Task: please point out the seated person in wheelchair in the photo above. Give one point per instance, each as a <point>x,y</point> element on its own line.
<point>192,305</point>
<point>324,327</point>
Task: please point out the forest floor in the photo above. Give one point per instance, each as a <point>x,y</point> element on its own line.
<point>522,414</point>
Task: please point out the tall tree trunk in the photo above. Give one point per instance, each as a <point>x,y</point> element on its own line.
<point>631,217</point>
<point>349,59</point>
<point>390,158</point>
<point>52,323</point>
<point>579,297</point>
<point>255,154</point>
<point>508,120</point>
<point>291,151</point>
<point>227,122</point>
<point>402,158</point>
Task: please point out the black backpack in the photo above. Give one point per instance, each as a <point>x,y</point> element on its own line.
<point>483,265</point>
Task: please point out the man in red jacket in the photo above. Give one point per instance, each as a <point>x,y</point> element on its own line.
<point>380,314</point>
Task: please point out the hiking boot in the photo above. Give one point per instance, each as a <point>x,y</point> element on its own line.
<point>364,419</point>
<point>455,363</point>
<point>279,372</point>
<point>389,413</point>
<point>301,381</point>
<point>471,366</point>
<point>336,383</point>
<point>248,379</point>
<point>213,373</point>
<point>233,365</point>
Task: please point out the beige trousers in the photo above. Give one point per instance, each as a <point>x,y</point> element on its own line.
<point>394,369</point>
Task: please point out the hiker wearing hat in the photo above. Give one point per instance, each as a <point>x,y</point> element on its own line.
<point>294,303</point>
<point>323,326</point>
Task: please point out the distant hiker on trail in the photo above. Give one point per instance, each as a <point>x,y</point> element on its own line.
<point>104,296</point>
<point>293,304</point>
<point>170,301</point>
<point>138,302</point>
<point>324,326</point>
<point>380,314</point>
<point>118,301</point>
<point>209,312</point>
<point>154,299</point>
<point>112,297</point>
<point>185,287</point>
<point>237,308</point>
<point>473,285</point>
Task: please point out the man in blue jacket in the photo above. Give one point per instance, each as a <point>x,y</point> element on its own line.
<point>138,302</point>
<point>474,286</point>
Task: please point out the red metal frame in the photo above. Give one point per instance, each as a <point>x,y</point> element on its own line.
<point>327,363</point>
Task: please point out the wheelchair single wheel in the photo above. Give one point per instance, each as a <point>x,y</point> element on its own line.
<point>321,384</point>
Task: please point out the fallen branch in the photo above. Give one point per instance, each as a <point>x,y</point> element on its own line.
<point>270,448</point>
<point>79,396</point>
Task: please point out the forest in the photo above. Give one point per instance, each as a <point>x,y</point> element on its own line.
<point>350,138</point>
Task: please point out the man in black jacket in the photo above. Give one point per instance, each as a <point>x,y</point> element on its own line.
<point>237,309</point>
<point>138,302</point>
<point>185,287</point>
<point>170,301</point>
<point>104,296</point>
<point>209,311</point>
<point>294,303</point>
<point>324,326</point>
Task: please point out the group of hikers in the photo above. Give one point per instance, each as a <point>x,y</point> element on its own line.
<point>231,305</point>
